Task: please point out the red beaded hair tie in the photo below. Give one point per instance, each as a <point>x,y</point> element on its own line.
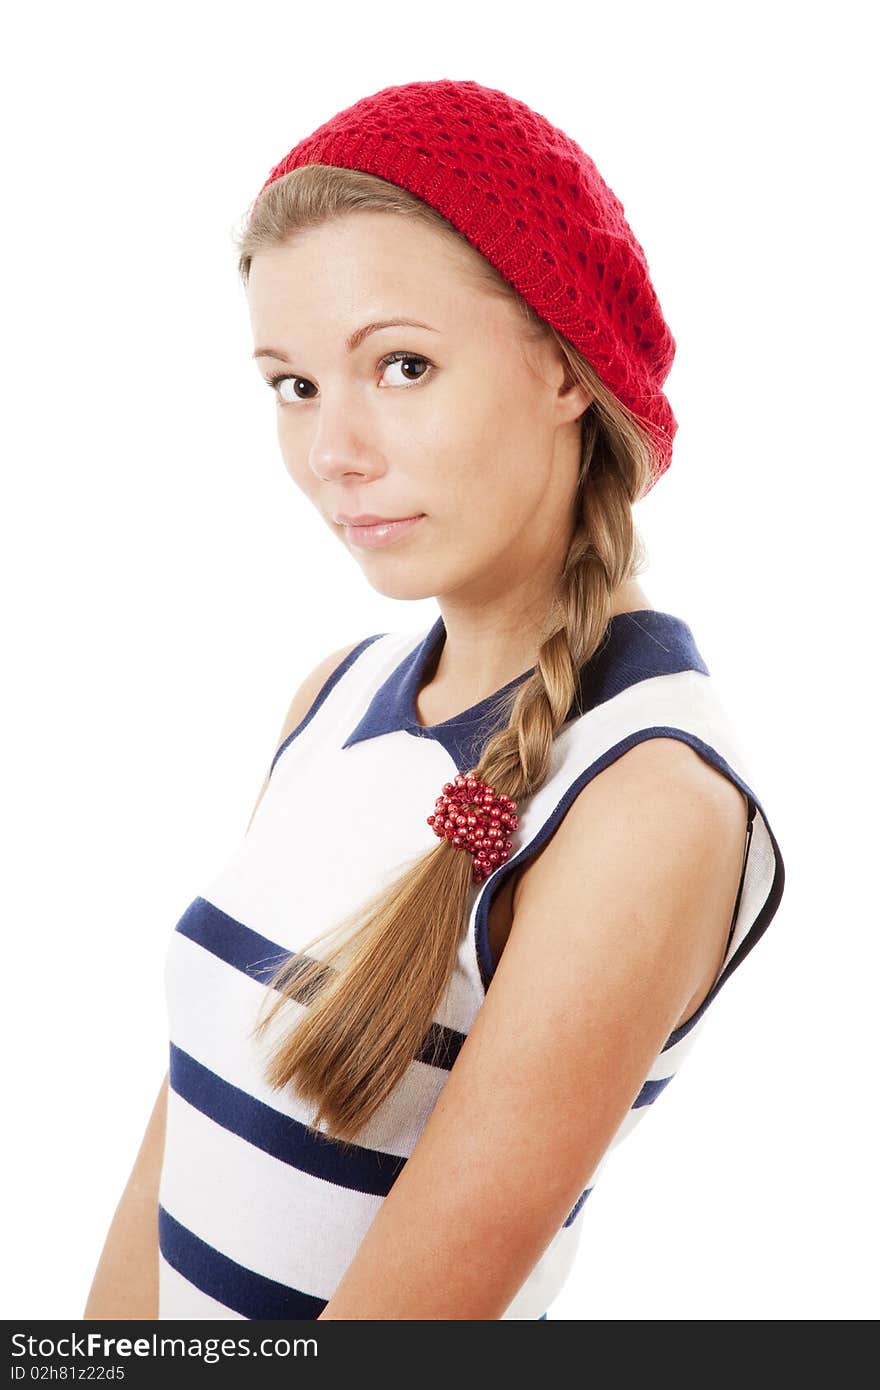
<point>472,817</point>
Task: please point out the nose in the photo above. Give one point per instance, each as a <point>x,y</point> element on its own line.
<point>341,445</point>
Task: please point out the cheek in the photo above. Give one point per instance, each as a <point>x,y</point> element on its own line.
<point>496,417</point>
<point>464,441</point>
<point>497,459</point>
<point>484,513</point>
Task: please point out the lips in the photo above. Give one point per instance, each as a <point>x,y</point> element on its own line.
<point>370,519</point>
<point>381,532</point>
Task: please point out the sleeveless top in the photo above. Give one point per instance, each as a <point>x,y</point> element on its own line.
<point>259,1216</point>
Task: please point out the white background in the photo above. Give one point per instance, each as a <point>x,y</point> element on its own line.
<point>166,588</point>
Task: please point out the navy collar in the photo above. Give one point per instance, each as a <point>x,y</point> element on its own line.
<point>636,646</point>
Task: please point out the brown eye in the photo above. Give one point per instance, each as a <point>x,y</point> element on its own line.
<point>276,381</point>
<point>406,360</point>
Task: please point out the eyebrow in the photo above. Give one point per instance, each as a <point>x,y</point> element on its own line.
<point>356,338</point>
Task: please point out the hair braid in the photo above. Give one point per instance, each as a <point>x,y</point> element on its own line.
<point>362,1010</point>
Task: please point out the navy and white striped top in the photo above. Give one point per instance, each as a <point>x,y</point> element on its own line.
<point>259,1217</point>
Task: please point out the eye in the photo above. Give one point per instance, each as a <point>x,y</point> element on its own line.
<point>408,358</point>
<point>275,383</point>
<point>405,359</point>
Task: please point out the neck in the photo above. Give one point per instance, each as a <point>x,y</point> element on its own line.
<point>487,646</point>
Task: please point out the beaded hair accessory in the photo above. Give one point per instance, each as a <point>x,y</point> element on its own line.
<point>471,816</point>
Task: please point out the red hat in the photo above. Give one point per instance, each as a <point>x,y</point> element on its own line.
<point>535,205</point>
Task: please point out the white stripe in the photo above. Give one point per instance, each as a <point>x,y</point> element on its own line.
<point>549,1275</point>
<point>211,1008</point>
<point>668,1062</point>
<point>290,1226</point>
<point>178,1298</point>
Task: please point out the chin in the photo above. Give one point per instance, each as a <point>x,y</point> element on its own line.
<point>402,586</point>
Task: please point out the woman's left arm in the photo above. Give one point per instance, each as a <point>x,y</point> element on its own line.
<point>618,920</point>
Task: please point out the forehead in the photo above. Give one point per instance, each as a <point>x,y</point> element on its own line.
<point>365,265</point>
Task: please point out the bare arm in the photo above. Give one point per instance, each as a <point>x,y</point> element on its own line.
<point>126,1281</point>
<point>619,922</point>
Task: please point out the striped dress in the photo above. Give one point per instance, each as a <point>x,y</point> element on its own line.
<point>259,1215</point>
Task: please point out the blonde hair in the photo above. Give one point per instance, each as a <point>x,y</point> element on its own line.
<point>372,999</point>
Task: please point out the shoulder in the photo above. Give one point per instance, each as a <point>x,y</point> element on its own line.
<point>666,774</point>
<point>310,688</point>
<point>651,848</point>
<point>660,789</point>
<point>304,698</point>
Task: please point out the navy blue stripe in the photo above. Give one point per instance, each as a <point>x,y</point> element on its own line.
<point>287,1139</point>
<point>710,755</point>
<point>577,1206</point>
<point>259,958</point>
<point>252,1295</point>
<point>231,941</point>
<point>328,685</point>
<point>245,1292</point>
<point>650,1091</point>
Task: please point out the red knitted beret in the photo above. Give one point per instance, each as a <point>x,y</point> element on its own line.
<point>535,205</point>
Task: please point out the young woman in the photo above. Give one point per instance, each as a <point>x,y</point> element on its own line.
<point>498,870</point>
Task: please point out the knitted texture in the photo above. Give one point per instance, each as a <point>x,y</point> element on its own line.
<point>533,203</point>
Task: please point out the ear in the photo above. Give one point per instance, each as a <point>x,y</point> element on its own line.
<point>574,398</point>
